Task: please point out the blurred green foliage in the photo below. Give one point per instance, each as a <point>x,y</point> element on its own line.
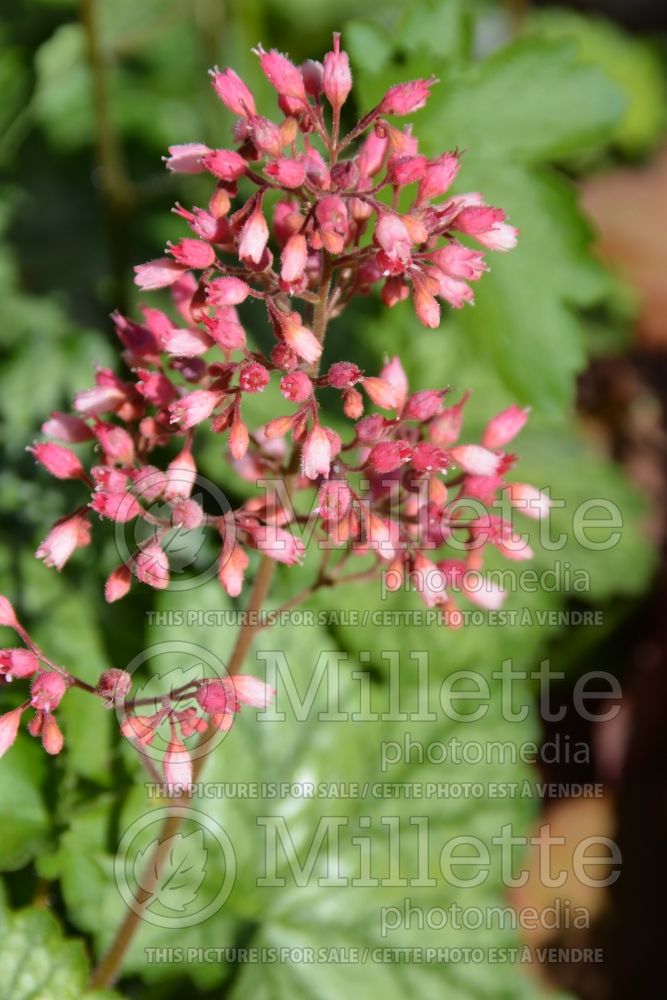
<point>526,112</point>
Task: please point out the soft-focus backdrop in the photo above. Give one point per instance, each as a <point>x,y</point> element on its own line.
<point>561,116</point>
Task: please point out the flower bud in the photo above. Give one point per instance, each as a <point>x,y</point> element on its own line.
<point>59,461</point>
<point>504,427</point>
<point>114,684</point>
<point>151,566</point>
<point>47,691</point>
<point>337,76</point>
<point>117,584</point>
<point>316,453</point>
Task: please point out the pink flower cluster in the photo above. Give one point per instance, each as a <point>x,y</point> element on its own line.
<point>318,227</point>
<point>216,702</point>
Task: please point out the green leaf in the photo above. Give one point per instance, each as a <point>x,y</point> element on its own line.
<point>24,821</point>
<point>38,963</point>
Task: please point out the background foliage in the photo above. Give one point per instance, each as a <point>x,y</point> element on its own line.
<point>82,198</point>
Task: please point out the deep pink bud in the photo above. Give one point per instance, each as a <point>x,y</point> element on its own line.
<point>233,92</point>
<point>227,292</point>
<point>253,377</point>
<point>47,691</point>
<point>225,164</point>
<point>217,696</point>
<point>65,536</point>
<point>9,727</point>
<point>423,405</point>
<point>394,290</point>
<point>404,170</point>
<point>284,357</point>
<point>114,684</point>
<point>151,566</point>
<point>504,427</point>
<point>192,409</point>
<point>282,74</point>
<point>335,499</point>
<point>116,443</point>
<point>117,584</point>
<point>296,387</point>
<point>404,98</point>
<point>370,428</point>
<point>429,458</point>
<point>186,158</point>
<point>389,455</point>
<point>372,154</point>
<point>343,375</point>
<point>312,73</point>
<point>192,253</point>
<point>438,177</point>
<point>59,461</point>
<point>337,76</point>
<point>120,507</point>
<point>316,453</point>
<point>157,273</point>
<point>288,173</point>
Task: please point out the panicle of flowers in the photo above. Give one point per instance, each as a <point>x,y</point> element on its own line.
<point>301,220</point>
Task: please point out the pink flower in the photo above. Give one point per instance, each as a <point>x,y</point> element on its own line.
<point>177,765</point>
<point>231,570</point>
<point>186,158</point>
<point>157,273</point>
<point>277,543</point>
<point>337,76</point>
<point>504,427</point>
<point>64,538</point>
<point>281,74</point>
<point>296,387</point>
<point>253,377</point>
<point>428,580</point>
<point>476,460</point>
<point>47,691</point>
<point>52,738</point>
<point>17,663</point>
<point>196,406</point>
<point>381,392</point>
<point>251,691</point>
<point>254,236</point>
<point>301,340</point>
<point>59,461</point>
<point>233,92</point>
<point>438,177</point>
<point>225,164</point>
<point>316,453</point>
<point>151,566</point>
<point>117,584</point>
<point>389,455</point>
<point>529,500</point>
<point>9,727</point>
<point>192,253</point>
<point>7,614</point>
<point>66,427</point>
<point>227,292</point>
<point>181,476</point>
<point>404,98</point>
<point>119,507</point>
<point>287,172</point>
<point>458,261</point>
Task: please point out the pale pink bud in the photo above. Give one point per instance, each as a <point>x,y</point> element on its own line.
<point>438,177</point>
<point>120,507</point>
<point>476,460</point>
<point>278,427</point>
<point>394,373</point>
<point>335,499</point>
<point>47,691</point>
<point>278,544</point>
<point>232,569</point>
<point>428,580</point>
<point>252,691</point>
<point>186,158</point>
<point>293,259</point>
<point>101,399</point>
<point>446,428</point>
<point>177,765</point>
<point>316,453</point>
<point>239,440</point>
<point>379,533</point>
<point>504,427</point>
<point>192,253</point>
<point>157,273</point>
<point>66,427</point>
<point>117,584</point>
<point>59,461</point>
<point>65,536</point>
<point>282,74</point>
<point>254,237</point>
<point>300,339</point>
<point>372,154</point>
<point>7,614</point>
<point>116,443</point>
<point>501,236</point>
<point>529,500</point>
<point>149,482</point>
<point>392,235</point>
<point>233,92</point>
<point>192,409</point>
<point>266,136</point>
<point>426,305</point>
<point>353,404</point>
<point>227,292</point>
<point>52,738</point>
<point>458,261</point>
<point>151,566</point>
<point>181,476</point>
<point>404,98</point>
<point>9,727</point>
<point>225,164</point>
<point>296,387</point>
<point>337,76</point>
<point>381,392</point>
